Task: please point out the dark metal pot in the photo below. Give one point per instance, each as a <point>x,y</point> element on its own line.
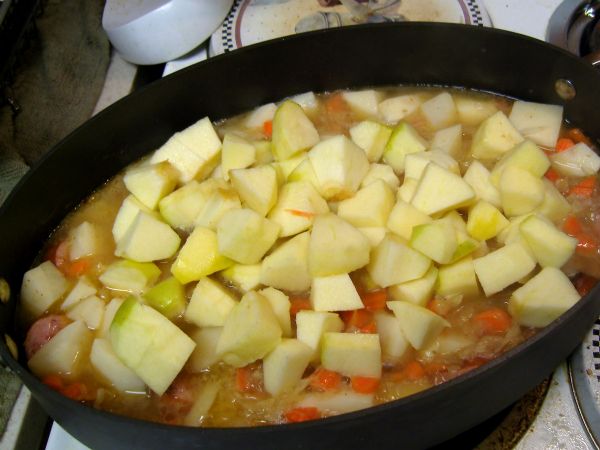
<point>388,54</point>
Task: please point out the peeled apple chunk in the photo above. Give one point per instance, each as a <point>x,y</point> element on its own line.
<point>494,137</point>
<point>543,298</point>
<point>503,267</point>
<point>42,286</point>
<point>293,132</point>
<point>520,191</point>
<point>363,102</point>
<point>245,277</point>
<point>340,165</point>
<point>436,240</point>
<point>205,353</point>
<point>312,325</point>
<point>336,247</point>
<point>334,293</point>
<point>284,366</point>
<point>440,111</point>
<point>256,186</point>
<point>472,110</point>
<point>84,288</point>
<point>245,236</point>
<point>577,161</point>
<point>371,137</point>
<point>150,183</point>
<point>83,241</point>
<point>550,246</point>
<point>65,354</point>
<point>526,156</point>
<point>352,354</point>
<point>392,340</point>
<point>370,207</point>
<point>416,291</point>
<point>554,206</point>
<point>130,276</point>
<point>397,108</point>
<point>128,211</point>
<point>199,257</point>
<point>440,190</point>
<point>381,172</point>
<point>149,344</point>
<point>485,221</point>
<point>448,140</point>
<point>415,163</point>
<point>210,304</point>
<point>148,239</point>
<point>237,153</point>
<point>478,177</point>
<point>280,304</point>
<point>457,278</point>
<point>536,121</point>
<point>89,310</point>
<point>404,217</point>
<point>394,262</point>
<point>250,332</point>
<point>286,267</point>
<point>181,207</point>
<point>404,140</point>
<point>107,363</point>
<point>221,199</point>
<point>419,325</point>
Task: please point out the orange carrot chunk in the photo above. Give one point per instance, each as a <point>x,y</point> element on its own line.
<point>414,370</point>
<point>584,284</point>
<point>572,226</point>
<point>53,381</point>
<point>552,175</point>
<point>336,103</point>
<point>493,321</point>
<point>298,304</point>
<point>359,320</point>
<point>374,300</point>
<point>364,385</point>
<point>268,128</point>
<point>585,188</point>
<point>325,380</point>
<point>77,268</point>
<point>564,144</point>
<point>577,136</point>
<point>297,212</point>
<point>302,414</point>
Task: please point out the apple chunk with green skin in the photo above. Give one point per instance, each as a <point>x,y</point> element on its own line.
<point>42,286</point>
<point>284,366</point>
<point>440,190</point>
<point>130,276</point>
<point>370,207</point>
<point>312,325</point>
<point>550,246</point>
<point>257,187</point>
<point>334,293</point>
<point>352,354</point>
<point>419,325</point>
<point>245,236</point>
<point>404,217</point>
<point>404,140</point>
<point>293,132</point>
<point>167,297</point>
<point>148,239</point>
<point>394,262</point>
<point>503,267</point>
<point>150,183</point>
<point>485,221</point>
<point>340,165</point>
<point>149,344</point>
<point>543,298</point>
<point>287,266</point>
<point>416,291</point>
<point>250,332</point>
<point>494,137</point>
<point>336,247</point>
<point>210,305</point>
<point>436,240</point>
<point>371,137</point>
<point>520,191</point>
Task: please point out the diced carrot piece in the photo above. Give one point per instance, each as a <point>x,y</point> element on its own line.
<point>53,381</point>
<point>325,380</point>
<point>572,226</point>
<point>584,284</point>
<point>577,136</point>
<point>77,391</point>
<point>585,188</point>
<point>268,128</point>
<point>77,268</point>
<point>414,370</point>
<point>299,304</point>
<point>552,175</point>
<point>374,300</point>
<point>243,381</point>
<point>564,144</point>
<point>336,103</point>
<point>297,212</point>
<point>434,368</point>
<point>359,320</point>
<point>364,385</point>
<point>302,414</point>
<point>493,321</point>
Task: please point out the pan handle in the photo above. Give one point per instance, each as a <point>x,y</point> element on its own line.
<point>593,58</point>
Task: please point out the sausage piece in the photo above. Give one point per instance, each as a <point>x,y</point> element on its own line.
<point>42,331</point>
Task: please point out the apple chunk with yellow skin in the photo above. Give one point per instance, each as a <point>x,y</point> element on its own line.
<point>167,297</point>
<point>520,191</point>
<point>150,183</point>
<point>256,186</point>
<point>416,291</point>
<point>550,246</point>
<point>237,153</point>
<point>440,190</point>
<point>404,140</point>
<point>245,236</point>
<point>485,221</point>
<point>293,131</point>
<point>210,304</point>
<point>296,208</point>
<point>334,293</point>
<point>352,354</point>
<point>312,325</point>
<point>336,247</point>
<point>340,166</point>
<point>371,137</point>
<point>494,137</point>
<point>419,325</point>
<point>543,298</point>
<point>370,207</point>
<point>404,217</point>
<point>286,267</point>
<point>199,257</point>
<point>284,366</point>
<point>394,262</point>
<point>250,332</point>
<point>436,240</point>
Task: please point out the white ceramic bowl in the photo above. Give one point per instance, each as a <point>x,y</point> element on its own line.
<point>156,31</point>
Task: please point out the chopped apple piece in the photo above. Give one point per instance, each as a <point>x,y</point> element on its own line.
<point>554,206</point>
<point>543,298</point>
<point>259,116</point>
<point>250,332</point>
<point>205,353</point>
<point>246,277</point>
<point>90,311</point>
<point>440,111</point>
<point>374,234</point>
<point>415,163</point>
<point>237,153</point>
<point>285,168</point>
<point>448,140</point>
<point>485,221</point>
<point>370,207</point>
<point>381,172</point>
<point>221,199</point>
<point>416,291</point>
<point>339,402</point>
<point>202,138</point>
<point>150,183</point>
<point>440,190</point>
<point>148,239</point>
<point>181,207</point>
<point>109,366</point>
<point>520,191</point>
<point>392,340</point>
<point>336,247</point>
<point>304,172</point>
<point>280,304</point>
<point>577,161</point>
<point>419,325</point>
<point>42,286</point>
<point>550,246</point>
<point>511,233</point>
<point>308,101</point>
<point>109,314</point>
<point>257,187</point>
<point>245,236</point>
<point>84,288</point>
<point>404,140</point>
<point>472,111</point>
<point>167,297</point>
<point>494,137</point>
<point>526,156</point>
<point>293,132</point>
<point>404,217</point>
<point>352,354</point>
<point>262,150</point>
<point>436,240</point>
<point>312,325</point>
<point>83,241</point>
<point>478,177</point>
<point>130,276</point>
<point>340,166</point>
<point>284,366</point>
<point>397,108</point>
<point>128,211</point>
<point>394,262</point>
<point>199,257</point>
<point>503,267</point>
<point>365,103</point>
<point>536,121</point>
<point>210,305</point>
<point>466,245</point>
<point>334,293</point>
<point>371,137</point>
<point>457,278</point>
<point>287,266</point>
<point>406,192</point>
